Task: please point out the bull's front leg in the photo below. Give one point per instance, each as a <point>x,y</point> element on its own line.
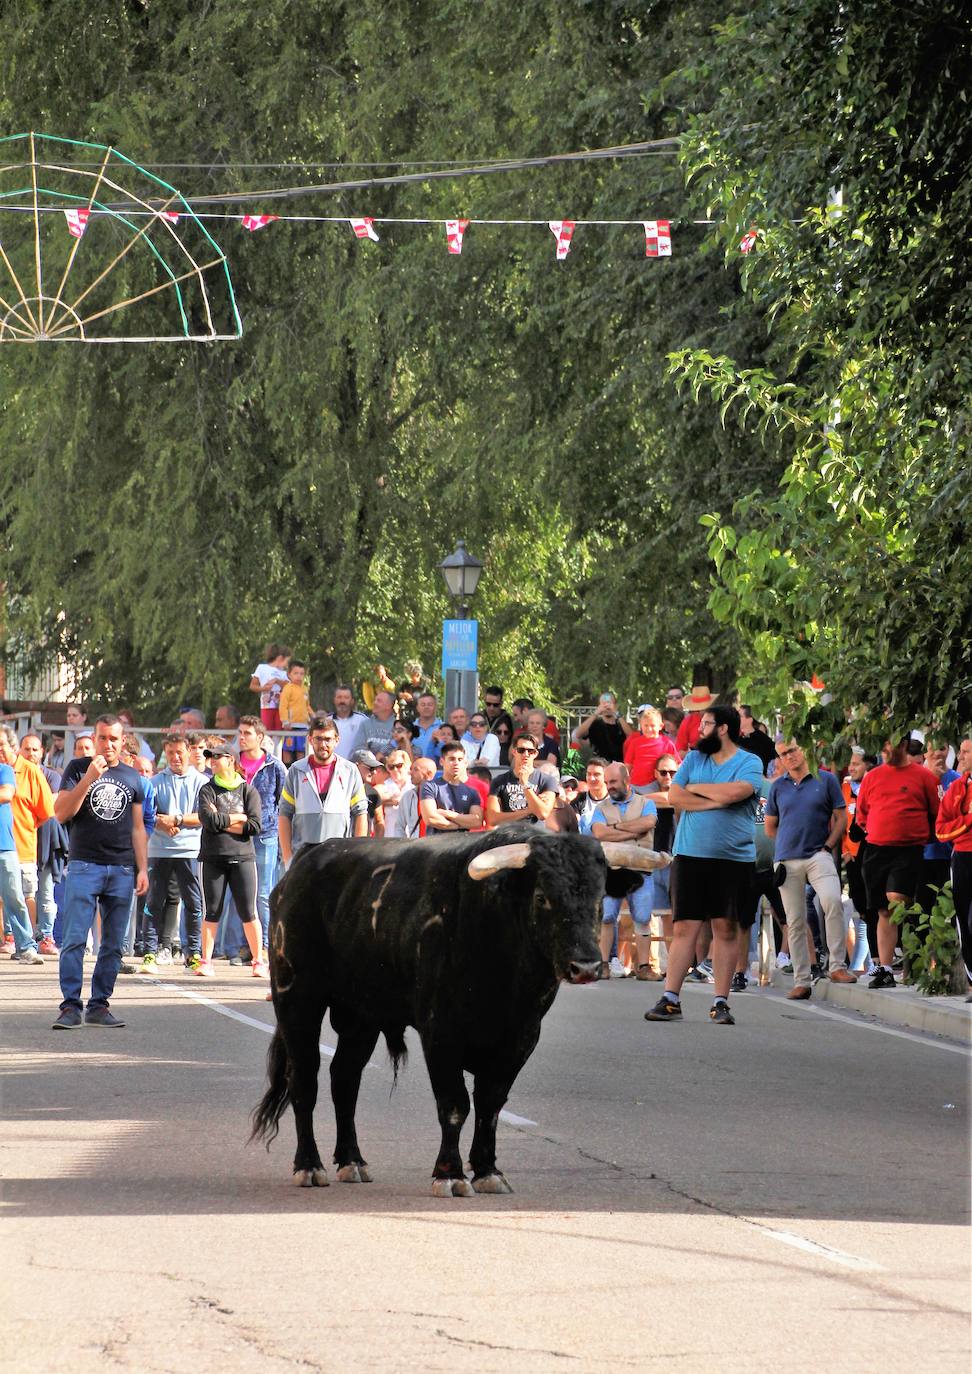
<point>489,1095</point>
<point>452,1102</point>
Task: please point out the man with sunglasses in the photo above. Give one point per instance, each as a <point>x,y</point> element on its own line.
<point>523,793</point>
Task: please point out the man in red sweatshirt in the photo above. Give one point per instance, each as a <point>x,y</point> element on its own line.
<point>954,826</point>
<point>896,807</point>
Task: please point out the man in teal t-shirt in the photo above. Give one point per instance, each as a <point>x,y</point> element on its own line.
<point>716,790</point>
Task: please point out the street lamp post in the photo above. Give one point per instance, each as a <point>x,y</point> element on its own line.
<point>460,636</point>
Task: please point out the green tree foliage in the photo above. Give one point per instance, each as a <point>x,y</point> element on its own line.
<point>841,133</point>
<point>167,509</point>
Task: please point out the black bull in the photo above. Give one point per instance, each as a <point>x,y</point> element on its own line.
<point>400,933</point>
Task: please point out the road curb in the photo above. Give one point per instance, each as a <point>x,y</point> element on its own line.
<point>902,1006</point>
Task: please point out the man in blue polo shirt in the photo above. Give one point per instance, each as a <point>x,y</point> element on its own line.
<point>807,815</point>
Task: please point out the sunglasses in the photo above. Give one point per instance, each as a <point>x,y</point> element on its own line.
<point>665,772</point>
<point>477,721</point>
<point>521,750</point>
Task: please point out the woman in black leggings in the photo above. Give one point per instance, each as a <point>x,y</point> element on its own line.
<point>230,814</point>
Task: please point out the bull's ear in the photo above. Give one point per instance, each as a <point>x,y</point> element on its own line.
<point>628,854</point>
<point>496,860</point>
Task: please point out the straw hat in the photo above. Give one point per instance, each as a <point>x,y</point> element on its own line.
<point>700,698</point>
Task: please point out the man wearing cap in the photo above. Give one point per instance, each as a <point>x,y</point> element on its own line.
<point>366,763</point>
<point>323,797</point>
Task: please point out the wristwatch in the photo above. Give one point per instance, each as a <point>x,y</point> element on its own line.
<point>178,820</point>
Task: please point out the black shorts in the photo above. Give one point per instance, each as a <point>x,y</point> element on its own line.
<point>891,868</point>
<point>713,889</point>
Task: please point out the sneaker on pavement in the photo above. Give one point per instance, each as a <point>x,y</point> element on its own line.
<point>235,961</point>
<point>719,1013</point>
<point>699,975</point>
<point>738,983</point>
<point>883,978</point>
<point>177,954</point>
<point>705,966</point>
<point>784,963</point>
<point>618,969</point>
<point>148,964</point>
<point>27,956</point>
<point>246,957</point>
<point>125,967</point>
<point>193,962</point>
<point>816,972</point>
<point>204,969</point>
<point>664,1010</point>
<point>47,946</point>
<point>9,945</point>
<point>101,1016</point>
<point>69,1019</point>
<point>163,956</point>
<point>259,969</point>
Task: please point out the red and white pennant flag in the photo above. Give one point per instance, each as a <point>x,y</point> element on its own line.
<point>563,232</point>
<point>364,228</point>
<point>170,215</point>
<point>77,222</point>
<point>255,222</point>
<point>455,228</point>
<point>658,238</point>
<point>748,241</point>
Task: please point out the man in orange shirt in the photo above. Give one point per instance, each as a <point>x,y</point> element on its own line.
<point>31,805</point>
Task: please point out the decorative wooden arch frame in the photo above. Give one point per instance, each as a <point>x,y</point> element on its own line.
<point>185,255</point>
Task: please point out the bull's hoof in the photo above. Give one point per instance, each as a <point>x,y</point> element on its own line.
<point>311,1178</point>
<point>491,1183</point>
<point>353,1173</point>
<point>451,1187</point>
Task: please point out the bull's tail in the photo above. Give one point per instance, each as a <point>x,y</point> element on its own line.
<point>397,1049</point>
<point>273,1104</point>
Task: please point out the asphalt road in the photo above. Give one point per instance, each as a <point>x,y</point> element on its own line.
<point>787,1194</point>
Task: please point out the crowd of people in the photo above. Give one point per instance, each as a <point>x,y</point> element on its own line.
<point>148,863</point>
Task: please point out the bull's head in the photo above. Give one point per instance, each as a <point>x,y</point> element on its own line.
<point>569,873</point>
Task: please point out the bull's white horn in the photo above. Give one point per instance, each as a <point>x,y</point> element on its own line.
<point>495,860</point>
<point>628,854</point>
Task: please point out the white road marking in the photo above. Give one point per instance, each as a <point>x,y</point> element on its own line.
<point>228,1011</point>
<point>812,1248</point>
<point>513,1120</point>
<point>926,1039</point>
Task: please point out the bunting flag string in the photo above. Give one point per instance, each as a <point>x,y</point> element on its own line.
<point>563,232</point>
<point>170,215</point>
<point>748,241</point>
<point>364,228</point>
<point>455,228</point>
<point>255,222</point>
<point>77,222</point>
<point>658,238</point>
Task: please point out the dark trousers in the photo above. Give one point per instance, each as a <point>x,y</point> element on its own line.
<point>962,895</point>
<point>163,873</point>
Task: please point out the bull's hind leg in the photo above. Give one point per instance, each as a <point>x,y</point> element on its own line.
<point>354,1049</point>
<point>452,1102</point>
<point>299,1017</point>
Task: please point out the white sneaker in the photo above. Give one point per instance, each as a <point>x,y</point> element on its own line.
<point>618,969</point>
<point>164,956</point>
<point>784,961</point>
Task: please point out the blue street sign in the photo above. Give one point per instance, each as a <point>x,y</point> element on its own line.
<point>460,646</point>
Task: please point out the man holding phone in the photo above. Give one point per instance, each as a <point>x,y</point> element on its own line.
<point>605,731</point>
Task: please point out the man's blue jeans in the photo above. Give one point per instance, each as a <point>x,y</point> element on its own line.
<point>15,910</point>
<point>86,887</point>
<point>267,847</point>
<point>46,905</point>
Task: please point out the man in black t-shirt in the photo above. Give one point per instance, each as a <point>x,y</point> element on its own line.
<point>524,793</point>
<point>451,805</point>
<point>753,740</point>
<point>604,731</point>
<point>107,861</point>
